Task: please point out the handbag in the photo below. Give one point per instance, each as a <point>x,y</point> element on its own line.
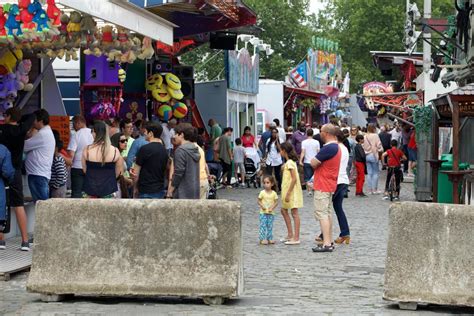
<point>123,187</point>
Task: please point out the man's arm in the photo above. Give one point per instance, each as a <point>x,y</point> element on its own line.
<point>132,153</point>
<point>179,169</point>
<point>35,142</point>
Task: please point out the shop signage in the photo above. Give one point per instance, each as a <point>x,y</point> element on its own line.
<point>324,69</point>
<point>374,88</point>
<point>465,109</point>
<point>242,71</point>
<point>61,124</point>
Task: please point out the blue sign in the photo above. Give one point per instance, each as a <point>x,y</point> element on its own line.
<point>147,3</point>
<point>242,71</point>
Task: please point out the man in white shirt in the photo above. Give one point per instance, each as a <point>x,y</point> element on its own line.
<point>281,131</point>
<point>315,129</point>
<point>39,150</point>
<point>79,141</point>
<point>396,133</point>
<point>309,149</point>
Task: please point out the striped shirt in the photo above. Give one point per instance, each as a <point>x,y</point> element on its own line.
<point>58,173</point>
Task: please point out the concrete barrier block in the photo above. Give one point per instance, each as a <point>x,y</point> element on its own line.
<point>137,248</point>
<point>430,255</point>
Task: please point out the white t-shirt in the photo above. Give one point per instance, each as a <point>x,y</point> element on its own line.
<point>311,148</point>
<point>315,131</point>
<point>80,140</point>
<point>273,156</point>
<point>39,151</point>
<point>343,178</point>
<point>281,134</point>
<point>396,135</point>
<point>166,137</point>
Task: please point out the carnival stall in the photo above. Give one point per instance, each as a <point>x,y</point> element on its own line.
<point>312,87</point>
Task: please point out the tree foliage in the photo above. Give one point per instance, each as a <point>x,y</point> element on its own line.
<point>286,27</point>
<point>361,26</point>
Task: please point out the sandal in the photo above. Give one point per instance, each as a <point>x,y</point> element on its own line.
<point>319,238</point>
<point>322,248</point>
<point>292,242</point>
<point>343,240</point>
<point>271,242</point>
<point>285,239</point>
<point>263,242</point>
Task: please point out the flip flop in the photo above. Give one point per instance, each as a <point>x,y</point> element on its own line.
<point>292,242</point>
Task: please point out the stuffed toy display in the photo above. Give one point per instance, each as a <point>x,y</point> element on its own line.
<point>26,17</point>
<point>54,14</point>
<point>180,110</point>
<point>39,16</point>
<point>22,71</point>
<point>166,93</point>
<point>13,22</point>
<point>103,110</point>
<point>88,28</point>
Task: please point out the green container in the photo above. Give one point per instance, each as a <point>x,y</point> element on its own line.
<point>445,187</point>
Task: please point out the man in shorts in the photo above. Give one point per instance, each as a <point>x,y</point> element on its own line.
<point>326,170</point>
<point>12,135</point>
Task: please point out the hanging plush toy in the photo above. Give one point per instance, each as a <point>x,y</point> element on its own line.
<point>3,20</point>
<point>13,22</point>
<point>123,41</point>
<point>8,61</point>
<point>147,49</point>
<point>26,17</point>
<point>54,14</point>
<point>107,38</point>
<point>40,17</point>
<point>88,29</point>
<point>122,75</point>
<point>22,71</point>
<point>161,94</point>
<point>74,27</point>
<point>153,82</point>
<point>103,111</point>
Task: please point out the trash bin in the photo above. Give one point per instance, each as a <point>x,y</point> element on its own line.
<point>445,187</point>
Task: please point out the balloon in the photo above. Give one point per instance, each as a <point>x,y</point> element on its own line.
<point>180,110</point>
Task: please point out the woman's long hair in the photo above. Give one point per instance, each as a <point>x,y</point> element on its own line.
<point>102,139</point>
<point>271,140</point>
<point>288,148</point>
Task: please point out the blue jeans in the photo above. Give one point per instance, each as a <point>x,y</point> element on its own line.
<point>308,172</point>
<point>373,175</point>
<point>39,187</point>
<point>337,200</point>
<point>160,195</point>
<point>266,227</point>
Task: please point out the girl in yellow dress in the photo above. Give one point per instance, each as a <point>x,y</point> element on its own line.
<point>291,193</point>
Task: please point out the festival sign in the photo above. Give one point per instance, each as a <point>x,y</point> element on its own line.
<point>324,68</point>
<point>61,124</point>
<point>242,71</point>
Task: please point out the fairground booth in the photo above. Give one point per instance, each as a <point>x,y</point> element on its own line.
<point>127,52</point>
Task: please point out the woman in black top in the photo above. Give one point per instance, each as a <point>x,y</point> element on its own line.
<point>102,165</point>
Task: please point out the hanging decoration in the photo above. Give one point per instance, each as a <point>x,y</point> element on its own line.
<point>49,33</point>
<point>422,117</point>
<point>166,93</point>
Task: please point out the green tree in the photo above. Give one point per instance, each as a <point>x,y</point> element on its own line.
<point>361,26</point>
<point>287,27</point>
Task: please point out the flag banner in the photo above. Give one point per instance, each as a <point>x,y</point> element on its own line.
<point>299,75</point>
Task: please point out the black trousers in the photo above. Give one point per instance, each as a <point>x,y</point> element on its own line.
<point>398,177</point>
<point>77,183</point>
<point>227,171</point>
<point>270,170</point>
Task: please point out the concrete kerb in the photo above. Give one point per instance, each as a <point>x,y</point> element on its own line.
<point>430,255</point>
<point>184,248</point>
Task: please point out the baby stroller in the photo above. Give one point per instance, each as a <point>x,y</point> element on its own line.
<point>251,173</point>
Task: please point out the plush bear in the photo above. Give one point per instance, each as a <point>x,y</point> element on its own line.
<point>26,17</point>
<point>147,49</point>
<point>123,41</point>
<point>74,27</point>
<point>88,29</point>
<point>22,71</point>
<point>107,38</point>
<point>64,23</point>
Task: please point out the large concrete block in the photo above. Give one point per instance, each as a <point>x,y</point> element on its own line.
<point>430,255</point>
<point>137,248</point>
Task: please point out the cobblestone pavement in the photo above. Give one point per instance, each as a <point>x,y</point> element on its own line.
<point>278,279</point>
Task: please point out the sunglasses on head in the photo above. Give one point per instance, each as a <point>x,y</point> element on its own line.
<point>123,141</point>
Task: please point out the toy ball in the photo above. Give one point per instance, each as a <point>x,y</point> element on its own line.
<point>173,81</point>
<point>153,82</point>
<point>165,112</point>
<point>180,110</point>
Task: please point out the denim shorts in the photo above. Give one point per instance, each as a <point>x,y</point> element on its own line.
<point>412,154</point>
<point>160,195</point>
<point>308,172</point>
<point>39,187</point>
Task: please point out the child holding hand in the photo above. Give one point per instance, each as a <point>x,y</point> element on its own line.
<point>268,201</point>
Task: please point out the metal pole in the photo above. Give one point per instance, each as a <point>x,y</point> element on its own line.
<point>427,39</point>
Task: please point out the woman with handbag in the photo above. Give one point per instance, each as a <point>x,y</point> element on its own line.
<point>373,147</point>
<point>125,183</point>
<point>273,160</point>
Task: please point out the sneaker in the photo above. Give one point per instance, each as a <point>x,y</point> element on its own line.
<point>386,198</point>
<point>396,198</point>
<point>25,246</point>
<point>3,245</point>
<point>377,192</point>
<point>322,248</point>
<point>362,195</point>
<point>243,186</point>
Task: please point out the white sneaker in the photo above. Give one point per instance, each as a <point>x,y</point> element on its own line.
<point>3,245</point>
<point>310,193</point>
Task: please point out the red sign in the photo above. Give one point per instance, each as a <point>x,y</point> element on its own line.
<point>61,124</point>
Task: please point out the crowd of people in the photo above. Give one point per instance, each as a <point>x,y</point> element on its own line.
<point>156,160</point>
<point>108,159</point>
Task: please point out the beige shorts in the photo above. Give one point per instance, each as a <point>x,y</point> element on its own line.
<point>203,188</point>
<point>322,205</point>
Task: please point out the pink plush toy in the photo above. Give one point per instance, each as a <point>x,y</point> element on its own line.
<point>22,71</point>
<point>103,111</point>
